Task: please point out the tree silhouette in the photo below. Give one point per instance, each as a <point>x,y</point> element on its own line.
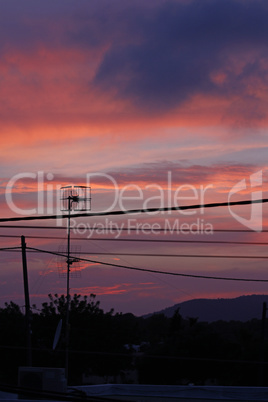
<point>162,350</point>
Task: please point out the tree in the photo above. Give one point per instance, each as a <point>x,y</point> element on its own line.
<point>78,305</point>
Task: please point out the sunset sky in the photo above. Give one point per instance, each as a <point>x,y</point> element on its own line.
<point>152,103</point>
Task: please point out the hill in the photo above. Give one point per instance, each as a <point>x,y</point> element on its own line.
<point>243,308</point>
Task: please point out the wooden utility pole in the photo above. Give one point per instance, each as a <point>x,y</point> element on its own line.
<point>27,302</point>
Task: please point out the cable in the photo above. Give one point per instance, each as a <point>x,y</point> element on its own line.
<point>152,270</point>
<point>33,250</point>
<point>142,240</point>
<point>176,255</point>
<point>176,241</point>
<point>149,274</point>
<point>40,279</point>
<point>7,250</point>
<point>147,254</point>
<point>107,228</point>
<point>137,211</point>
<point>17,248</point>
<point>162,255</point>
<point>38,237</point>
<point>32,227</point>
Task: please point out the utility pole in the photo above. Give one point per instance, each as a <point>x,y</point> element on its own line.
<point>27,303</point>
<point>71,197</point>
<point>67,326</point>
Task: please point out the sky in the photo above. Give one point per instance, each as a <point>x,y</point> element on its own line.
<point>151,104</point>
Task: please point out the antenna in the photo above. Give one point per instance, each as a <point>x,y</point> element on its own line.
<point>76,198</point>
<point>75,271</point>
<point>57,334</point>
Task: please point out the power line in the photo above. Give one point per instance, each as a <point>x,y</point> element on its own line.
<point>18,248</point>
<point>130,229</point>
<point>178,241</point>
<point>152,270</point>
<point>31,250</point>
<point>142,240</point>
<point>161,255</point>
<point>37,237</point>
<point>137,211</point>
<point>31,227</point>
<point>176,255</point>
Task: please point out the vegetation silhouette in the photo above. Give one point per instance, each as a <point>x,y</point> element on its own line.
<point>116,347</point>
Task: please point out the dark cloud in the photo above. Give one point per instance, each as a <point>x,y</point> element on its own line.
<point>182,44</point>
<point>157,54</point>
<point>80,24</point>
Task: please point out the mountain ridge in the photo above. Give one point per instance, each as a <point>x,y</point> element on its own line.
<point>241,308</point>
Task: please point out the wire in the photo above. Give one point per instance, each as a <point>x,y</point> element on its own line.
<point>10,236</point>
<point>40,279</point>
<point>33,250</point>
<point>39,237</point>
<point>179,241</point>
<point>32,227</point>
<point>152,270</point>
<point>17,248</point>
<point>7,250</point>
<point>142,240</point>
<point>136,211</point>
<point>161,255</point>
<point>107,228</point>
<point>176,255</point>
<point>149,274</point>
